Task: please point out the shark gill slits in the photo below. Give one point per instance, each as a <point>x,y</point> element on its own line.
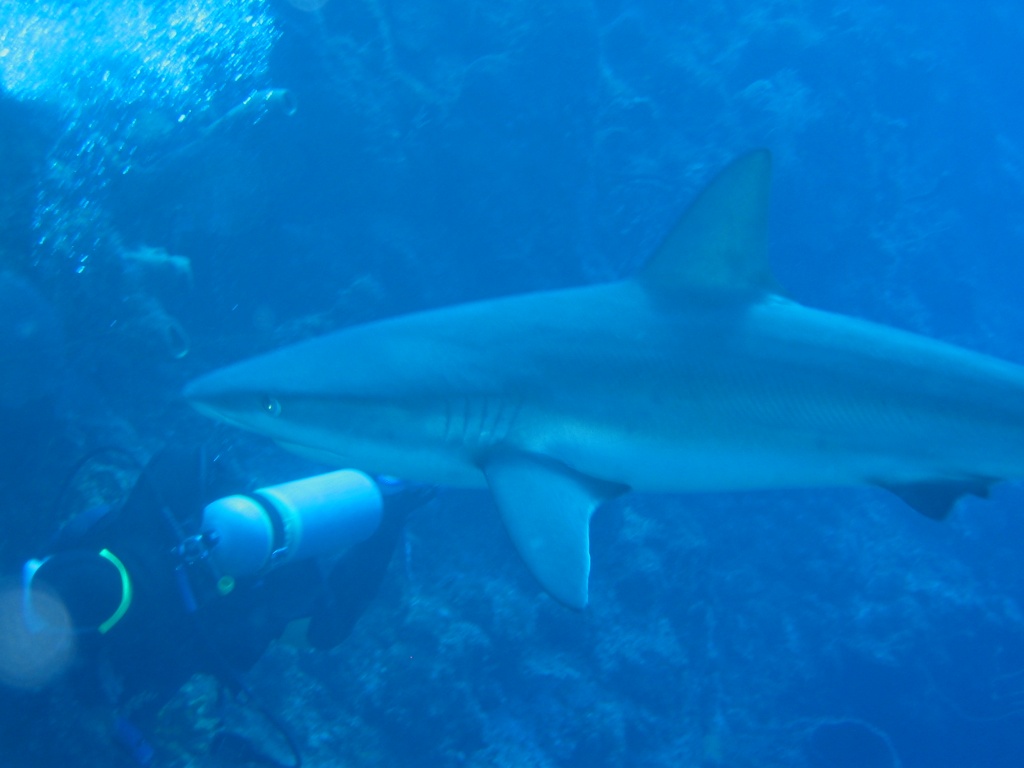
<point>476,422</point>
<point>270,406</point>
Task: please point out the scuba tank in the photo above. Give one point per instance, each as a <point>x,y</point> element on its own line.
<point>247,534</point>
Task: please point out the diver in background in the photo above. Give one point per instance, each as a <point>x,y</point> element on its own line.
<point>183,579</point>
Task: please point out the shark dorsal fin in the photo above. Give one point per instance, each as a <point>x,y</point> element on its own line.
<point>719,246</point>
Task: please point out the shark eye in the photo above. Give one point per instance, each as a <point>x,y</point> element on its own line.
<point>270,406</point>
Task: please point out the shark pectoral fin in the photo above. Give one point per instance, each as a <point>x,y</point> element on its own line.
<point>936,499</point>
<point>546,507</point>
<point>719,245</point>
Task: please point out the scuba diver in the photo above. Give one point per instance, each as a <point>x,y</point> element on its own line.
<point>186,577</point>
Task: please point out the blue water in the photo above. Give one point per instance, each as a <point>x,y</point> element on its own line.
<point>448,152</point>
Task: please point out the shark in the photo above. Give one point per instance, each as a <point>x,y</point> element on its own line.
<point>695,374</point>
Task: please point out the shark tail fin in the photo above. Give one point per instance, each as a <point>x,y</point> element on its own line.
<point>719,245</point>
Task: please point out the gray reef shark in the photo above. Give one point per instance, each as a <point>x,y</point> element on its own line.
<point>695,374</point>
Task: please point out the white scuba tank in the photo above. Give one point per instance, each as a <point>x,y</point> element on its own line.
<point>319,515</point>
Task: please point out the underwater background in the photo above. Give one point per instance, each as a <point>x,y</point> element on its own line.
<point>184,183</point>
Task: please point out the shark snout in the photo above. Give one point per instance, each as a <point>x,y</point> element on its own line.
<point>203,394</point>
<point>205,389</point>
<point>219,393</point>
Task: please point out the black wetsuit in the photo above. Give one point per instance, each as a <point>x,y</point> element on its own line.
<point>178,624</point>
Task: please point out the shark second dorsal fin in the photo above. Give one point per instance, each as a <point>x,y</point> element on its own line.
<point>719,246</point>
<point>936,499</point>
